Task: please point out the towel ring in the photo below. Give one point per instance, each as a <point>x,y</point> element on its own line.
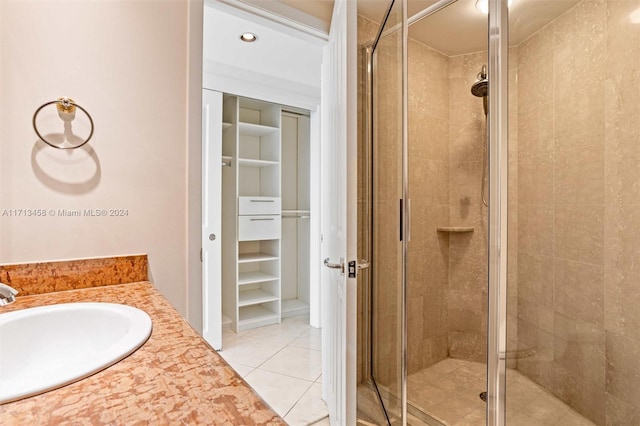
<point>64,105</point>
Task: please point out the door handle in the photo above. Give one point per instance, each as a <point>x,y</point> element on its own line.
<point>334,265</point>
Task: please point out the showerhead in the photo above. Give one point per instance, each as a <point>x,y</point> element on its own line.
<point>480,87</point>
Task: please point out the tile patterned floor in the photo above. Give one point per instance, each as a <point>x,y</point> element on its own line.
<point>448,391</point>
<point>282,362</point>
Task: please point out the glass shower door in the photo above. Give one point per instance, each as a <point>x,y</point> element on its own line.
<point>447,254</point>
<point>387,255</point>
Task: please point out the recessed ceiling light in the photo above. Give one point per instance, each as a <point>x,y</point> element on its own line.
<point>248,37</point>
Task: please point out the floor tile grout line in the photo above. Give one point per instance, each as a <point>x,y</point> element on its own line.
<point>272,356</point>
<point>289,344</point>
<point>287,375</point>
<point>299,399</point>
<point>312,381</point>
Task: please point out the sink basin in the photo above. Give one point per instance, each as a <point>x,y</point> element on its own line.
<point>48,347</point>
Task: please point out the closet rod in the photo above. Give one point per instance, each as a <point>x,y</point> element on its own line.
<point>296,214</point>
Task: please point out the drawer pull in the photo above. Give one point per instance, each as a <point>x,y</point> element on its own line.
<point>253,220</point>
<point>262,201</point>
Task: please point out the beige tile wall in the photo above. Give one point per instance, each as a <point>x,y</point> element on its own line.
<point>513,215</point>
<point>578,190</point>
<point>574,209</point>
<point>467,302</point>
<point>622,212</point>
<point>387,249</point>
<point>429,191</point>
<point>446,273</point>
<point>366,32</point>
<point>561,208</point>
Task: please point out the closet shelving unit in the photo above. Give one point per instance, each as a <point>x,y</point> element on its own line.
<point>296,215</point>
<point>251,284</point>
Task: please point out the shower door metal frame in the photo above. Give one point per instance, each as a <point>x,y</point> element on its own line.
<point>498,74</point>
<point>498,199</point>
<point>370,65</point>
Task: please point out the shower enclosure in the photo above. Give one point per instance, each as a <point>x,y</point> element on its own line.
<point>500,205</point>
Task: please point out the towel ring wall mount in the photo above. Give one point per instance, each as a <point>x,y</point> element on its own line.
<point>66,110</point>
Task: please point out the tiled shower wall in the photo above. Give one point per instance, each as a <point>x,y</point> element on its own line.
<point>429,168</point>
<point>467,290</point>
<point>579,193</point>
<point>366,32</point>
<point>574,187</point>
<point>467,283</point>
<point>447,273</point>
<point>386,256</point>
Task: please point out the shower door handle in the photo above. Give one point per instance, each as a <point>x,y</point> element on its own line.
<point>335,265</point>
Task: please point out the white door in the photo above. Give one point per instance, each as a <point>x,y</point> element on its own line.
<point>339,214</point>
<point>212,217</point>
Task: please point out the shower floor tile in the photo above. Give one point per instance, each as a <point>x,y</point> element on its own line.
<point>449,392</point>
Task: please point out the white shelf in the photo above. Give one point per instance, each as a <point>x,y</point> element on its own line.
<point>255,257</point>
<point>255,297</point>
<point>250,162</point>
<point>255,277</point>
<point>254,316</point>
<point>293,307</point>
<point>225,126</point>
<point>257,130</point>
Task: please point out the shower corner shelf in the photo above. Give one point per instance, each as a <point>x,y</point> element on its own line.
<point>455,229</point>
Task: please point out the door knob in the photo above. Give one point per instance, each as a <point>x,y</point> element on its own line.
<point>334,265</point>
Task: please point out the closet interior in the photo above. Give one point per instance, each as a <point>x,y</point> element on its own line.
<point>265,213</point>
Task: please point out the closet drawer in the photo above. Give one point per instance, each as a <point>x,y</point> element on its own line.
<point>251,228</point>
<point>259,205</point>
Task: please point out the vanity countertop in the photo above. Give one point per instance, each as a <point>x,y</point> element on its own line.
<point>174,378</point>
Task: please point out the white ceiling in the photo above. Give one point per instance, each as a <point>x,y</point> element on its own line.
<point>276,53</point>
<point>457,29</point>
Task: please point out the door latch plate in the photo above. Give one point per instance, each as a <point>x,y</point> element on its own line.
<point>352,269</point>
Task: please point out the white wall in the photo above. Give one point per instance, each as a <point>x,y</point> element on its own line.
<point>126,63</point>
<point>194,183</point>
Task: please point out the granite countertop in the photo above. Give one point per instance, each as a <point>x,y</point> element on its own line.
<point>174,378</point>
